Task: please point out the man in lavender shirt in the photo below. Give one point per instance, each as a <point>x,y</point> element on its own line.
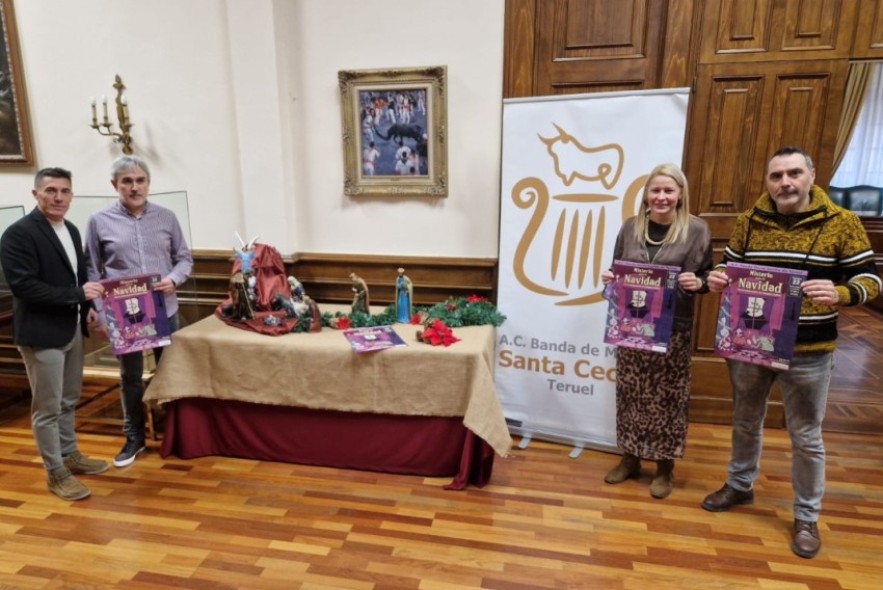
<point>134,237</point>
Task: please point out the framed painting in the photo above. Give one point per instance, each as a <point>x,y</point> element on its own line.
<point>15,131</point>
<point>394,131</point>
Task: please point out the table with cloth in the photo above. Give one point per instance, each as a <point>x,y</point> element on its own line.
<point>308,398</point>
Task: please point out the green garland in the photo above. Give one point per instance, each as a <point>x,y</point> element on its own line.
<point>455,312</point>
<point>361,319</point>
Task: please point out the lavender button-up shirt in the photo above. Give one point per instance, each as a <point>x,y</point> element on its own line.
<point>119,244</point>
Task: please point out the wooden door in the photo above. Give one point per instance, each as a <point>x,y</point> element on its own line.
<point>579,46</point>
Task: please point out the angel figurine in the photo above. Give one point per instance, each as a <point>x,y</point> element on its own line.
<point>245,253</point>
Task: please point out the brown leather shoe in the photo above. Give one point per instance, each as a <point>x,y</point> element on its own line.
<point>727,497</point>
<point>806,542</point>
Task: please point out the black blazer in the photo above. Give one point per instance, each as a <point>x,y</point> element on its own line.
<point>45,295</point>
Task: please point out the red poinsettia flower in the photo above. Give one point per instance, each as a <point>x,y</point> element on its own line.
<point>416,319</point>
<point>438,333</point>
<point>343,323</point>
<point>476,299</point>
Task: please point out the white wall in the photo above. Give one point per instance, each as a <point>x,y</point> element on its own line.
<point>236,102</point>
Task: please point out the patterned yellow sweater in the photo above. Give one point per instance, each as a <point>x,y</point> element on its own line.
<point>827,241</point>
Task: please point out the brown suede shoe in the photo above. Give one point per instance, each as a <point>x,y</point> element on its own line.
<point>663,481</point>
<point>727,497</point>
<point>628,467</point>
<point>63,484</point>
<point>78,463</point>
<point>805,542</point>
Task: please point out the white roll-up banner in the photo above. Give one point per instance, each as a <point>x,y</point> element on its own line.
<point>574,168</point>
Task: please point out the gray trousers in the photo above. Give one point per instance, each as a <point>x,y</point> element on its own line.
<point>56,379</point>
<point>804,395</point>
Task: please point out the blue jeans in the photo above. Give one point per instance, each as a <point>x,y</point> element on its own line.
<point>132,387</point>
<point>56,379</point>
<point>804,395</point>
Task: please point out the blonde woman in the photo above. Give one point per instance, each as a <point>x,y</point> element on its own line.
<point>653,389</point>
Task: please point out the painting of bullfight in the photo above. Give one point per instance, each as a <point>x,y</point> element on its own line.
<point>15,134</point>
<point>394,131</point>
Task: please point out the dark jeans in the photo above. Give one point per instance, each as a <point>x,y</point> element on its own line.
<point>132,387</point>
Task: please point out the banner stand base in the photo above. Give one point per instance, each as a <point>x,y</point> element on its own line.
<point>577,443</point>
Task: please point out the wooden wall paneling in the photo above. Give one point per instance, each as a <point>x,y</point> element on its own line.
<point>598,45</point>
<point>518,69</point>
<point>734,30</point>
<point>208,285</point>
<point>679,46</point>
<point>10,359</point>
<point>326,278</point>
<point>711,395</point>
<point>807,103</point>
<point>874,227</point>
<point>868,39</point>
<point>783,30</point>
<point>728,116</point>
<point>742,113</point>
<point>825,25</point>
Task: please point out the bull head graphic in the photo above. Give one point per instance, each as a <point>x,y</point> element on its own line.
<point>571,158</point>
<point>571,261</point>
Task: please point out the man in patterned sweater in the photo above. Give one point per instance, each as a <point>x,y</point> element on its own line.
<point>794,225</point>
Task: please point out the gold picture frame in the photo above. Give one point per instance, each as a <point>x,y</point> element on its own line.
<point>395,131</point>
<point>15,129</point>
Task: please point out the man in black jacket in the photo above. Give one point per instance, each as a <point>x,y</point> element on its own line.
<point>43,262</point>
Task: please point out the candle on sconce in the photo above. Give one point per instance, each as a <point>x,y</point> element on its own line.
<point>120,105</point>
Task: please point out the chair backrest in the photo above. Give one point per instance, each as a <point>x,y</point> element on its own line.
<point>838,195</point>
<point>865,200</point>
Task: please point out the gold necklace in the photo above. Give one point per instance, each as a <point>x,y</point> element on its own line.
<point>647,236</point>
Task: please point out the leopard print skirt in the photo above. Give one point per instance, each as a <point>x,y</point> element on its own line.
<point>652,399</point>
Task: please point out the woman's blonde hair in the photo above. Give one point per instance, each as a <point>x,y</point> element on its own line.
<point>678,230</point>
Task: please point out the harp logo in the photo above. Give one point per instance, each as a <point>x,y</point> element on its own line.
<point>568,266</point>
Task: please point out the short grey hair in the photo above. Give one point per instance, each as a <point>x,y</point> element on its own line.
<point>127,164</point>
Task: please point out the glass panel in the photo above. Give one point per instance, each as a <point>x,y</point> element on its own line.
<point>99,360</point>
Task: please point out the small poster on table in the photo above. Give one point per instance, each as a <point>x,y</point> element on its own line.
<point>759,312</point>
<point>642,299</point>
<point>135,314</point>
<point>373,338</point>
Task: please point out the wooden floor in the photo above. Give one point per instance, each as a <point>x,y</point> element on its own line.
<point>855,397</point>
<point>545,520</point>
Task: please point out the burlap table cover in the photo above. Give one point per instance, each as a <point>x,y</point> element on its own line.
<point>209,359</point>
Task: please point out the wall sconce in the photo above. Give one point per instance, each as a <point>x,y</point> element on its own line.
<point>104,128</point>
